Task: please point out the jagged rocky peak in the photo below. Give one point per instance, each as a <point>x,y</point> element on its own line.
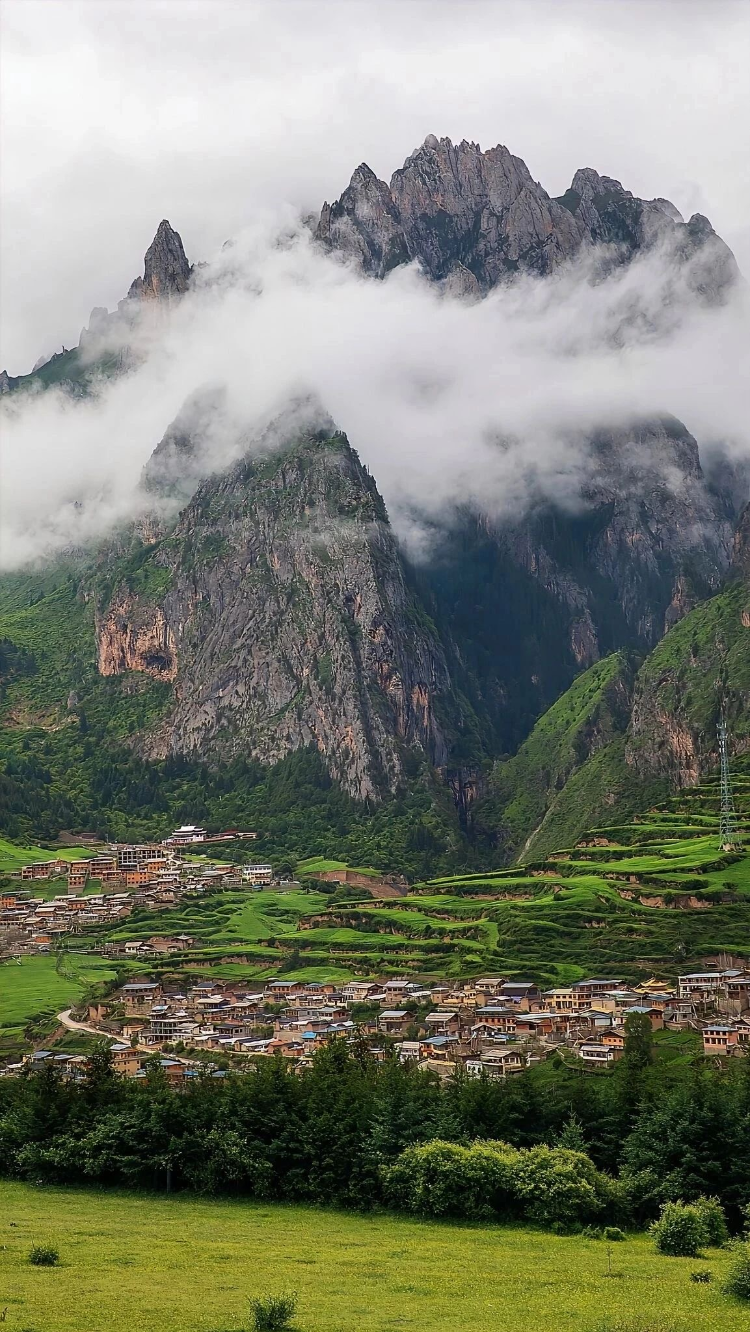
<point>166,276</point>
<point>459,210</point>
<point>279,610</point>
<point>166,269</point>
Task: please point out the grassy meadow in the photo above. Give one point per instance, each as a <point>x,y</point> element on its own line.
<point>34,989</point>
<point>181,1265</point>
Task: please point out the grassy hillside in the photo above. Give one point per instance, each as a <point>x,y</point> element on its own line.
<point>700,667</point>
<point>34,989</point>
<point>181,1265</point>
<point>655,896</point>
<point>526,789</point>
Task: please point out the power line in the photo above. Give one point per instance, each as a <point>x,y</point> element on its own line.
<point>728,818</point>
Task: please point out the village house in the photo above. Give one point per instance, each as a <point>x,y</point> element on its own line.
<point>258,875</point>
<point>496,1018</point>
<point>533,1026</point>
<point>719,1038</point>
<point>595,989</point>
<point>598,1054</point>
<point>127,1061</point>
<point>398,988</point>
<point>44,869</point>
<point>614,1040</point>
<point>358,992</point>
<point>442,1024</point>
<point>706,986</point>
<point>496,1063</point>
<point>520,993</point>
<point>655,1015</point>
<point>488,986</point>
<point>138,997</point>
<point>393,1022</point>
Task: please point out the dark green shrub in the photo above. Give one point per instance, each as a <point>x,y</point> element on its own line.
<point>444,1179</point>
<point>702,1277</point>
<point>680,1230</point>
<point>714,1221</point>
<point>556,1185</point>
<point>738,1276</point>
<point>273,1313</point>
<point>613,1234</point>
<point>43,1255</point>
<point>550,1185</point>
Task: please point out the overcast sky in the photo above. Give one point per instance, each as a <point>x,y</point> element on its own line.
<point>207,112</point>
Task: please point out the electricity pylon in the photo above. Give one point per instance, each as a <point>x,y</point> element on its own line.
<point>728,840</point>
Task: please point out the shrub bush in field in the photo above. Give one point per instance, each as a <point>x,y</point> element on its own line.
<point>553,1184</point>
<point>680,1230</point>
<point>444,1179</point>
<point>714,1221</point>
<point>43,1255</point>
<point>273,1313</point>
<point>550,1185</point>
<point>738,1276</point>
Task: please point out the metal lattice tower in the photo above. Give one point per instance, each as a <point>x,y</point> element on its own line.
<point>728,817</point>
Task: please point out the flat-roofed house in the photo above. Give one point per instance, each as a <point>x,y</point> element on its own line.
<point>394,1021</point>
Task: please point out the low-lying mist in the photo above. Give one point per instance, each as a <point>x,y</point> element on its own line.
<point>449,403</point>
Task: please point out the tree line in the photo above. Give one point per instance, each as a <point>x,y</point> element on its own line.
<point>359,1132</point>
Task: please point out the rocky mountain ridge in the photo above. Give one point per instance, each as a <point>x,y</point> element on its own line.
<point>475,218</point>
<point>280,614</point>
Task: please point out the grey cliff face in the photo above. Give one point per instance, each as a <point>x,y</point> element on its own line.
<point>650,541</point>
<point>741,546</point>
<point>475,218</point>
<point>286,622</point>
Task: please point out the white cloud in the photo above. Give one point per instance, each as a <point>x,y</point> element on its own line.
<point>424,385</point>
<point>117,113</point>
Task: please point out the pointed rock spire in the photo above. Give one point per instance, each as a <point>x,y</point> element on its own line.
<point>166,270</point>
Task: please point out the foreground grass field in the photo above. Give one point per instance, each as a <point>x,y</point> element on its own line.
<point>179,1265</point>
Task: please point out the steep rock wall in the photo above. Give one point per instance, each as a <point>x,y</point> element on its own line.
<point>289,623</point>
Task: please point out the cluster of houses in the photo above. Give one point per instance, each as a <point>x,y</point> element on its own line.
<point>491,1025</point>
<point>154,877</point>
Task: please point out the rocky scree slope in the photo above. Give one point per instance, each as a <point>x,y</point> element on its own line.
<point>278,610</point>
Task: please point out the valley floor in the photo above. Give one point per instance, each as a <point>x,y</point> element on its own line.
<point>160,1264</point>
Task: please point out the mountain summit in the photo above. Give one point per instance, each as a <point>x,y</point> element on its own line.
<point>166,269</point>
<point>477,218</point>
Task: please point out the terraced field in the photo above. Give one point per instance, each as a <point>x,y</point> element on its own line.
<point>653,895</point>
